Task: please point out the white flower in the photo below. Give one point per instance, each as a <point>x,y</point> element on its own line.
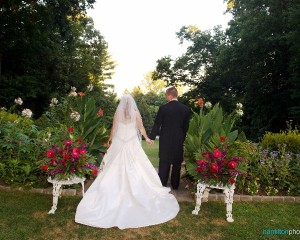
<point>75,115</point>
<point>208,104</point>
<point>72,94</point>
<point>54,101</point>
<point>239,106</point>
<point>240,112</point>
<point>90,87</point>
<point>73,89</point>
<point>19,101</point>
<point>3,109</point>
<point>27,113</point>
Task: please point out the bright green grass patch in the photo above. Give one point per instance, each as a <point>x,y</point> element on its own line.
<point>152,152</point>
<point>24,215</point>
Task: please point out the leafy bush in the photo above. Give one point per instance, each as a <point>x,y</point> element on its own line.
<point>290,138</point>
<point>268,172</point>
<point>20,147</point>
<point>79,111</point>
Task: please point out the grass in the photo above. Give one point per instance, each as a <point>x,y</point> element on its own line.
<point>24,215</point>
<point>152,152</point>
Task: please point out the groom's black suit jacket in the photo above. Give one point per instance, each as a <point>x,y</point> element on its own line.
<point>171,124</point>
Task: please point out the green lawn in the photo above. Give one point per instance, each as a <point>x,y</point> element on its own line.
<point>24,215</point>
<point>152,152</point>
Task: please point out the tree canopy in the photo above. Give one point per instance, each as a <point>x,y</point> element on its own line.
<point>46,47</point>
<point>254,61</point>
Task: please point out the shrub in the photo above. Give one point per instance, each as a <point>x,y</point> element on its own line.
<point>290,138</point>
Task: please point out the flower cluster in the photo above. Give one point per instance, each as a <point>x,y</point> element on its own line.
<point>239,110</point>
<point>70,159</point>
<point>27,113</point>
<point>75,116</point>
<point>54,102</point>
<point>215,167</point>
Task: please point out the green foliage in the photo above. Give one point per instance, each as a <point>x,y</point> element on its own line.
<point>89,127</point>
<point>236,65</point>
<point>20,148</point>
<point>289,138</point>
<point>45,45</point>
<point>268,172</point>
<point>204,134</point>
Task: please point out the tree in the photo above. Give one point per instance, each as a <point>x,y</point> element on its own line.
<point>46,47</point>
<point>254,62</point>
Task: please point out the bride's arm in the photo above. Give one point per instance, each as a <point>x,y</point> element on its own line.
<point>112,132</point>
<point>142,129</point>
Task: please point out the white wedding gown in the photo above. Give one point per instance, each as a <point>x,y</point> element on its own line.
<point>127,193</point>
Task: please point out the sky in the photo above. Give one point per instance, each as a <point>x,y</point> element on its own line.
<point>139,32</point>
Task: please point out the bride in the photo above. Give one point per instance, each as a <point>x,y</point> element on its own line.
<point>127,192</point>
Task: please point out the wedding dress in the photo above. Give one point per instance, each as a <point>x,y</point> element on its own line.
<point>127,193</point>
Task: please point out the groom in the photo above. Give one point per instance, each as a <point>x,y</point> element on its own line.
<point>171,124</point>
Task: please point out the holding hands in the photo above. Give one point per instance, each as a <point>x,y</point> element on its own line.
<point>149,141</point>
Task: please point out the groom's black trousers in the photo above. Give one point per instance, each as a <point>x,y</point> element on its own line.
<point>164,172</point>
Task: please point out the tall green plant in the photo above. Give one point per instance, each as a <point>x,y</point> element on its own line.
<point>207,130</point>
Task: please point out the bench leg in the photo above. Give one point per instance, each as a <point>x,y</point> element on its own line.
<point>229,201</point>
<point>199,195</point>
<point>55,192</point>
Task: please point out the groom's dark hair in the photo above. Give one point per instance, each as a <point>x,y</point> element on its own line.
<point>172,91</point>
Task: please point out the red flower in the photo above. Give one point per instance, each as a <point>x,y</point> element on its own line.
<point>68,142</point>
<point>232,165</point>
<point>199,169</point>
<point>200,162</point>
<point>82,151</point>
<point>50,153</point>
<point>66,156</point>
<point>79,140</point>
<point>100,112</point>
<point>200,102</point>
<point>217,153</point>
<point>204,154</point>
<point>81,94</point>
<point>222,139</point>
<point>94,172</point>
<point>231,180</point>
<point>70,129</point>
<point>53,162</point>
<point>214,167</point>
<point>75,154</point>
<point>44,168</point>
